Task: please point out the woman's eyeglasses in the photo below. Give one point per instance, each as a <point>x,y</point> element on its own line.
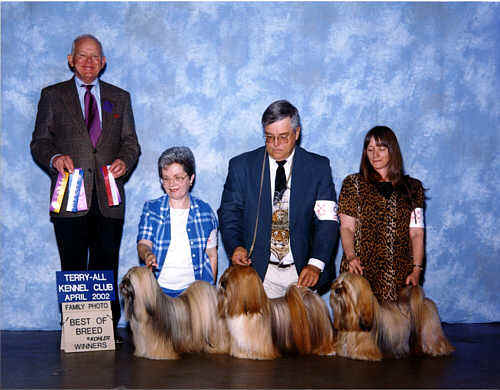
<point>175,179</point>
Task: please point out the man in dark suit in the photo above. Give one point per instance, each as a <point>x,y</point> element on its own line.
<point>289,193</point>
<point>87,124</point>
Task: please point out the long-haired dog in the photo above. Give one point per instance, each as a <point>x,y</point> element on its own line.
<point>164,327</point>
<point>262,328</point>
<point>368,330</point>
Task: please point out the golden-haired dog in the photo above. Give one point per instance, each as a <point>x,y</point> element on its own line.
<point>262,328</point>
<point>164,327</point>
<point>368,330</point>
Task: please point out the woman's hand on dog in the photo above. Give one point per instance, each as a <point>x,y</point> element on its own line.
<point>150,260</point>
<point>355,265</point>
<point>414,277</point>
<point>145,252</point>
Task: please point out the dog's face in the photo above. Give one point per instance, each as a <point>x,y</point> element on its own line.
<point>133,277</point>
<point>241,292</point>
<point>137,283</point>
<point>353,303</point>
<point>128,293</point>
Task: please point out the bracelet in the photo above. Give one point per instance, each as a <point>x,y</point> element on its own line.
<point>418,265</point>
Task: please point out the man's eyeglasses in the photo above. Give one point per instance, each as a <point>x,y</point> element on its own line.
<point>175,179</point>
<point>280,139</point>
<point>84,57</point>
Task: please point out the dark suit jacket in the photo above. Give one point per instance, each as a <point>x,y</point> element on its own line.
<point>309,237</point>
<point>60,129</point>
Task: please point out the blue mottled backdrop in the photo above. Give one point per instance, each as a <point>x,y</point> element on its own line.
<point>201,74</point>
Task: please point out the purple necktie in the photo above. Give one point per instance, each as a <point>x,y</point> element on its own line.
<point>92,116</point>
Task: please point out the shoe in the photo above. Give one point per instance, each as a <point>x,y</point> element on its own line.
<point>118,340</point>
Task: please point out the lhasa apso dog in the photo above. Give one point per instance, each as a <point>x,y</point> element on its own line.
<point>164,327</point>
<point>368,330</point>
<point>262,328</point>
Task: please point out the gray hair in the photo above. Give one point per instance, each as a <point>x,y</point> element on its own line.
<point>279,110</point>
<point>178,154</point>
<point>86,36</point>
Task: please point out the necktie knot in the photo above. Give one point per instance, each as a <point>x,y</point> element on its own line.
<point>88,86</point>
<point>281,163</point>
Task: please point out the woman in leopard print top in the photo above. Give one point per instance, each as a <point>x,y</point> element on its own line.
<point>381,216</point>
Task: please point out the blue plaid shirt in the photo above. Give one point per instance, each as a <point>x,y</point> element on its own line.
<point>155,227</point>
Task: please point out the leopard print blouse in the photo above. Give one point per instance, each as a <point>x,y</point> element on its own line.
<point>382,233</point>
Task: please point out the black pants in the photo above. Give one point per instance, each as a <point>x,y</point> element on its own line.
<point>91,243</point>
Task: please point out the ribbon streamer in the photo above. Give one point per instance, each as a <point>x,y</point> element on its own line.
<point>111,187</point>
<point>77,200</point>
<point>58,195</point>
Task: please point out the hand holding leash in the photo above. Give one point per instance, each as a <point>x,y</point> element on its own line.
<point>144,250</point>
<point>150,260</point>
<point>240,256</point>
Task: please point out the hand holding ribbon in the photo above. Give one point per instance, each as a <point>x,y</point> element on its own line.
<point>118,168</point>
<point>63,162</point>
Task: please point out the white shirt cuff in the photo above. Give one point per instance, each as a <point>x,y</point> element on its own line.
<point>317,263</point>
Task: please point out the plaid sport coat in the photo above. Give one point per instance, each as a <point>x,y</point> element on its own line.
<point>60,129</point>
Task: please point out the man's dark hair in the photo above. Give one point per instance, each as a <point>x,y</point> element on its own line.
<point>279,110</point>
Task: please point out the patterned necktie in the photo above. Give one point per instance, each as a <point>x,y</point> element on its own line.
<point>92,116</point>
<point>279,181</point>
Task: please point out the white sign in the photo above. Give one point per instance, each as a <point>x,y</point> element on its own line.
<point>87,326</point>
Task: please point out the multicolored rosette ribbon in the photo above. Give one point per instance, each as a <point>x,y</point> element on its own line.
<point>58,195</point>
<point>111,187</point>
<point>77,201</point>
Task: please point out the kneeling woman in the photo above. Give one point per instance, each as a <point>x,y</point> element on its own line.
<point>177,236</point>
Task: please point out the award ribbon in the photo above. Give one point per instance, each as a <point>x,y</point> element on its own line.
<point>58,195</point>
<point>77,200</point>
<point>111,187</point>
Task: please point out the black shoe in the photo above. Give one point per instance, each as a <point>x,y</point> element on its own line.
<point>118,339</point>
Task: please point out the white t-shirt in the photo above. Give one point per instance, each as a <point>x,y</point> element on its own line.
<point>177,272</point>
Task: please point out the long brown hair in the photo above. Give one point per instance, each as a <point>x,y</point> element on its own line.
<point>384,136</point>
